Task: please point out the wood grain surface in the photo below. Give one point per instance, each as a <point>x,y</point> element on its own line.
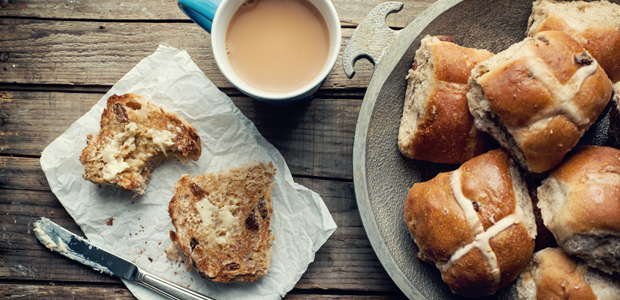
<point>100,53</point>
<point>346,260</point>
<point>349,12</point>
<point>118,292</point>
<point>58,58</point>
<point>304,133</point>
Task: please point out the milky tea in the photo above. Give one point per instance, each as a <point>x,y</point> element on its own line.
<point>277,45</point>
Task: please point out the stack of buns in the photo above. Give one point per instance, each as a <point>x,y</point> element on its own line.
<point>537,98</point>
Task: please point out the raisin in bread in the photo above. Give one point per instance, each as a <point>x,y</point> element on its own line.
<point>538,97</point>
<point>222,222</point>
<point>135,137</point>
<point>594,24</point>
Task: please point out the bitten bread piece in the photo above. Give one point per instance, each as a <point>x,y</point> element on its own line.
<point>553,275</point>
<point>135,137</point>
<point>595,25</point>
<point>222,222</point>
<point>436,124</point>
<point>476,224</point>
<point>580,204</point>
<point>538,97</point>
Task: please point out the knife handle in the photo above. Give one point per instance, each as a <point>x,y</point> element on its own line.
<point>167,288</point>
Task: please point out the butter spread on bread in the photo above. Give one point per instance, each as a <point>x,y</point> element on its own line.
<point>222,222</point>
<point>135,137</point>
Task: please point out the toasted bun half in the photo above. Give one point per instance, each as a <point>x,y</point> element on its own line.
<point>135,137</point>
<point>222,222</point>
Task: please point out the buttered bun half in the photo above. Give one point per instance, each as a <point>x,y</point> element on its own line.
<point>554,275</point>
<point>475,224</point>
<point>436,124</point>
<point>594,24</point>
<point>580,204</point>
<point>538,97</point>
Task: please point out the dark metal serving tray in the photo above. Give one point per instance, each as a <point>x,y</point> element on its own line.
<point>382,176</point>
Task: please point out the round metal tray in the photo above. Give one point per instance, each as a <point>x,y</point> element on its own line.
<point>383,176</point>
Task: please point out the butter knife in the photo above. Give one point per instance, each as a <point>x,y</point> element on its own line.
<point>62,241</point>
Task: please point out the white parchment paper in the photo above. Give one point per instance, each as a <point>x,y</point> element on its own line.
<point>301,222</point>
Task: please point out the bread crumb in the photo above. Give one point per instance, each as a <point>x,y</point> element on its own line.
<point>110,222</point>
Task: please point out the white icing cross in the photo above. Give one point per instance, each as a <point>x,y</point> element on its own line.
<point>481,241</point>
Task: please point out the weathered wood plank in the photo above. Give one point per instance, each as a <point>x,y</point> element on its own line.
<point>21,255</point>
<point>33,291</point>
<point>113,292</point>
<point>345,262</point>
<point>30,121</point>
<point>100,53</point>
<point>22,174</point>
<point>349,12</point>
<point>315,138</point>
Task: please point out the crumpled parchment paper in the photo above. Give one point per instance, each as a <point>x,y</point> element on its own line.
<point>301,222</point>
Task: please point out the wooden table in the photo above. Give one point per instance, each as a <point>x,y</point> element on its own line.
<point>58,58</point>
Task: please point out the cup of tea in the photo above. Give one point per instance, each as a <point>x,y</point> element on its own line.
<point>275,51</point>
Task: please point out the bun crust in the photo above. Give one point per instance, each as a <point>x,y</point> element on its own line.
<point>595,25</point>
<point>538,97</point>
<point>222,222</point>
<point>552,274</point>
<point>436,124</point>
<point>580,204</point>
<point>476,223</point>
<point>135,137</point>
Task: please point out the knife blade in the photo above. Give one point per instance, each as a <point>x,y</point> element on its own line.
<point>64,242</point>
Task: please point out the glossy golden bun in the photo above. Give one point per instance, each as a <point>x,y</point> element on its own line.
<point>475,224</point>
<point>553,274</point>
<point>580,204</point>
<point>538,97</point>
<point>595,25</point>
<point>436,124</point>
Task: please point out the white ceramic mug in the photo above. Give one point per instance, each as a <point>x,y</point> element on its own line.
<point>214,17</point>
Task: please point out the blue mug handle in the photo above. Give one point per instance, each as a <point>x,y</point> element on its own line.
<point>200,11</point>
